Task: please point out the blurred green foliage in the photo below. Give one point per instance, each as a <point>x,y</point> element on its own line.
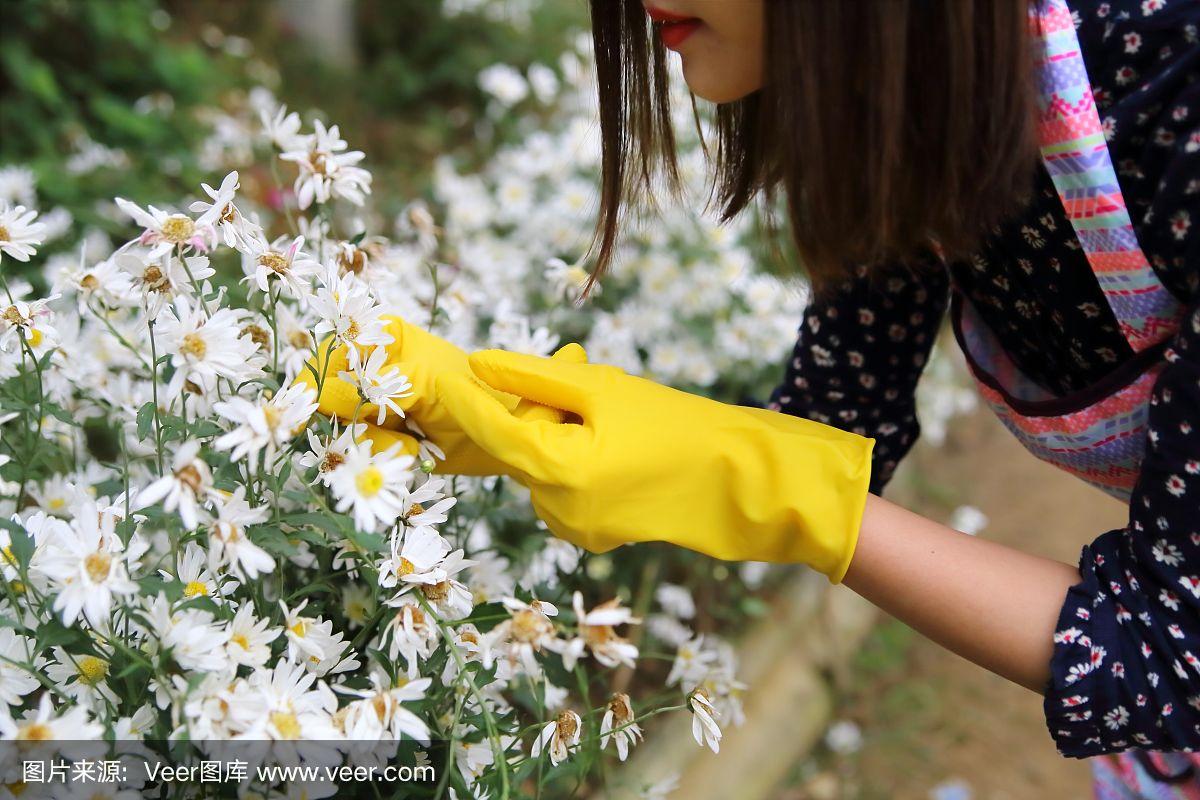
<point>75,70</point>
<point>137,75</point>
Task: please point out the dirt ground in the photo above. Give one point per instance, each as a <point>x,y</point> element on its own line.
<point>928,718</point>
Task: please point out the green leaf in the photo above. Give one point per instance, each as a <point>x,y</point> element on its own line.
<point>20,542</point>
<point>145,418</point>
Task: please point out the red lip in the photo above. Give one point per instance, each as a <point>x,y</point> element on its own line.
<point>673,29</point>
<point>658,15</point>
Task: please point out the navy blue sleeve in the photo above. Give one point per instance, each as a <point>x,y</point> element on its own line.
<point>1126,664</point>
<point>861,350</point>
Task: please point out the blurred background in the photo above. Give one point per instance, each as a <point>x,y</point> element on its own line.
<point>144,99</point>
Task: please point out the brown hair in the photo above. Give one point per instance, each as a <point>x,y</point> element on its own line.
<point>891,125</point>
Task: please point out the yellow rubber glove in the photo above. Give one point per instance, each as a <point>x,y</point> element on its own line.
<point>652,463</point>
<point>421,356</point>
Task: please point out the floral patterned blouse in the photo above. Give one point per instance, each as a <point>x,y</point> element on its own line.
<point>1126,668</point>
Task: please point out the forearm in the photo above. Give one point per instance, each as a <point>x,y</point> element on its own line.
<point>986,602</point>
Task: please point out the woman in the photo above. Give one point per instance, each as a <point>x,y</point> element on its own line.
<point>931,154</point>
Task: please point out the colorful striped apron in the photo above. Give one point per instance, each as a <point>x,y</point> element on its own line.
<point>1098,433</point>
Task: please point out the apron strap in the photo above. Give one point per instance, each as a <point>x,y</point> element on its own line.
<point>1076,155</point>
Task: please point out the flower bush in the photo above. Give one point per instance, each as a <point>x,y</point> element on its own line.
<point>191,556</point>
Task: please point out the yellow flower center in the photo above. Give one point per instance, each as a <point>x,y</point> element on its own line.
<point>6,555</point>
<point>193,345</point>
<point>92,670</point>
<point>332,461</point>
<point>298,339</point>
<point>352,332</point>
<point>530,626</point>
<point>299,628</point>
<point>272,415</point>
<point>35,337</point>
<point>35,732</point>
<point>195,589</point>
<point>369,482</point>
<point>97,566</point>
<point>4,234</point>
<point>276,262</point>
<point>286,723</point>
<point>437,591</point>
<point>89,281</point>
<point>177,229</point>
<point>13,316</point>
<point>379,703</point>
<point>405,567</point>
<point>240,640</point>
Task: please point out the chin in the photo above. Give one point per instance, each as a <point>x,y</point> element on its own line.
<point>709,84</point>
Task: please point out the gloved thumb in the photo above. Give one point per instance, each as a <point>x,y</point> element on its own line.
<point>528,410</point>
<point>535,450</point>
<point>552,382</point>
<point>381,439</point>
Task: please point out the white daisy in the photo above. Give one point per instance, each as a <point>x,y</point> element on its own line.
<point>379,713</point>
<point>19,234</point>
<point>223,215</point>
<point>347,310</point>
<point>326,169</point>
<point>328,456</point>
<point>416,558</point>
<point>205,348</point>
<point>372,485</point>
<point>157,281</point>
<point>189,482</point>
<point>313,642</point>
<point>29,322</point>
<point>105,282</point>
<point>42,724</point>
<point>17,683</point>
<point>164,231</point>
<point>249,639</point>
<point>280,260</point>
<point>265,426</point>
<point>229,546</point>
<point>86,572</point>
<point>81,677</point>
<point>379,384</point>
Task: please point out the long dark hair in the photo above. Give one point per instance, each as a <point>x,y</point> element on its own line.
<point>890,125</point>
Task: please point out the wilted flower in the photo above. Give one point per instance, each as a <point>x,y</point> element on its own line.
<point>558,737</point>
<point>618,725</point>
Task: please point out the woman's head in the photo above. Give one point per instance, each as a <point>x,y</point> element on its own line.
<point>890,125</point>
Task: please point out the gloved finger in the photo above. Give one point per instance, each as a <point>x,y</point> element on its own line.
<point>382,439</point>
<point>571,353</point>
<point>529,410</point>
<point>551,382</point>
<point>422,379</point>
<point>338,398</point>
<point>537,449</point>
